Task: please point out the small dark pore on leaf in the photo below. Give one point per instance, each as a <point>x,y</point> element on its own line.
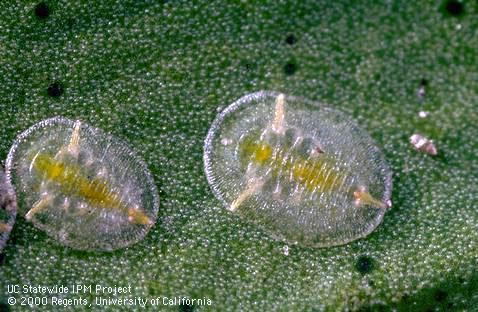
<point>454,7</point>
<point>4,307</point>
<point>290,68</point>
<point>364,264</point>
<point>290,39</point>
<point>55,89</point>
<point>42,11</point>
<point>440,295</point>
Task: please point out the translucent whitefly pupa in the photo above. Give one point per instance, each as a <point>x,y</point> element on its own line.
<point>8,209</point>
<point>304,172</point>
<point>83,187</point>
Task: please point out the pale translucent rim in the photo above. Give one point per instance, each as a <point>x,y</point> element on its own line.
<point>12,214</point>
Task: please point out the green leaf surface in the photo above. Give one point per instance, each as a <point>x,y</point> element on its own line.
<point>155,74</point>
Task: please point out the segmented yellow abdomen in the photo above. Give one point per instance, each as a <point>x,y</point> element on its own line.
<point>72,182</point>
<point>316,173</point>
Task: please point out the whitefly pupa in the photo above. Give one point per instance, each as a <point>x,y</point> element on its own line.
<point>8,209</point>
<point>83,187</point>
<point>305,173</point>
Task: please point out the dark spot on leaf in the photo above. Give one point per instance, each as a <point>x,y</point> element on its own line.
<point>440,295</point>
<point>290,68</point>
<point>454,7</point>
<point>186,308</point>
<point>290,40</point>
<point>423,82</point>
<point>4,307</point>
<point>55,89</point>
<point>364,264</point>
<point>42,10</point>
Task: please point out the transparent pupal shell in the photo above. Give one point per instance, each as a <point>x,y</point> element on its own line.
<point>83,187</point>
<point>305,173</point>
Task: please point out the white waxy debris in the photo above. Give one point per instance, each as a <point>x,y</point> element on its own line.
<point>423,114</point>
<point>422,144</point>
<point>285,250</point>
